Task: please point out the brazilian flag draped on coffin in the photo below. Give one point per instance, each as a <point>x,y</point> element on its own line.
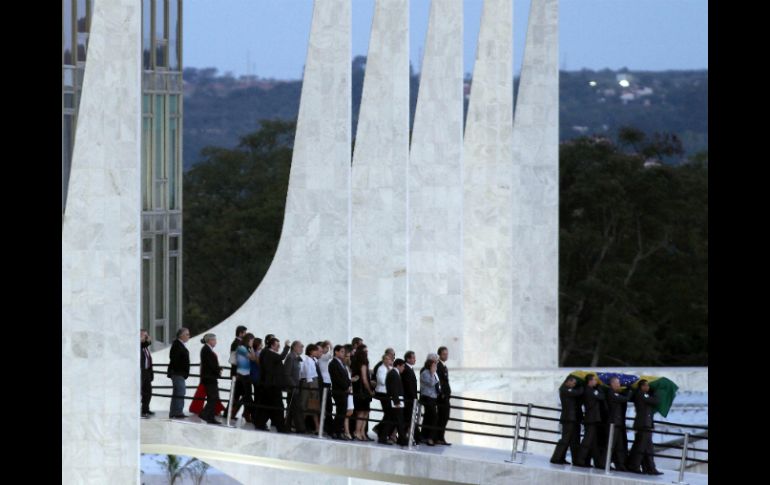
<point>663,387</point>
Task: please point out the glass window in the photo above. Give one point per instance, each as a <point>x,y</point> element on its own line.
<point>160,332</point>
<point>160,255</point>
<point>146,162</point>
<point>172,291</point>
<point>173,25</point>
<point>173,104</point>
<point>160,53</point>
<point>69,100</point>
<point>146,34</point>
<point>160,19</point>
<point>67,29</point>
<point>172,156</point>
<point>68,77</point>
<point>82,16</point>
<point>146,292</point>
<point>159,143</point>
<point>173,243</point>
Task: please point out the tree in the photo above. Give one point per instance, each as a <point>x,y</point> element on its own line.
<point>198,470</point>
<point>633,253</point>
<point>234,206</point>
<point>174,467</point>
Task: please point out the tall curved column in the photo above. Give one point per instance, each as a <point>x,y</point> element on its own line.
<point>304,294</point>
<point>380,162</point>
<point>536,194</point>
<point>487,169</point>
<point>435,315</point>
<point>101,257</point>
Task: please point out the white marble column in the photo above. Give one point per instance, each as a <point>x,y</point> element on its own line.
<point>378,232</point>
<point>435,315</point>
<point>536,194</point>
<point>101,259</point>
<point>487,177</point>
<point>304,294</point>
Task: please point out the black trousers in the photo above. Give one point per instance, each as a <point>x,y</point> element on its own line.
<point>429,418</point>
<point>273,402</point>
<point>238,392</point>
<point>408,415</point>
<point>397,417</point>
<point>242,384</point>
<point>641,452</point>
<point>619,448</point>
<point>385,428</point>
<point>443,417</point>
<point>212,398</point>
<point>146,391</point>
<point>589,447</point>
<point>570,438</point>
<point>341,406</point>
<point>328,408</point>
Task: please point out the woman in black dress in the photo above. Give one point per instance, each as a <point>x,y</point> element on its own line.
<point>362,391</point>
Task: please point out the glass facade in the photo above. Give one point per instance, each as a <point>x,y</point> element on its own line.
<point>161,165</point>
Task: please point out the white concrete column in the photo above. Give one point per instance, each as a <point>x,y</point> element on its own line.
<point>487,178</point>
<point>304,294</point>
<point>101,259</point>
<point>435,315</point>
<point>536,194</point>
<point>380,163</point>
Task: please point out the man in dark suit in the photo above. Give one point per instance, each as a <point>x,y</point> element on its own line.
<point>291,374</point>
<point>147,374</point>
<point>341,387</point>
<point>616,414</point>
<point>589,447</point>
<point>409,381</point>
<point>178,370</point>
<point>395,391</point>
<point>238,390</point>
<point>642,450</point>
<point>210,373</point>
<point>570,396</point>
<point>272,378</point>
<point>443,401</point>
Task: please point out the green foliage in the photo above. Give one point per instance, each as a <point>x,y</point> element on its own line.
<point>633,254</point>
<point>633,242</point>
<point>233,214</point>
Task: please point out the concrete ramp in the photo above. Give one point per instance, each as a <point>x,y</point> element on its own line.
<point>423,465</point>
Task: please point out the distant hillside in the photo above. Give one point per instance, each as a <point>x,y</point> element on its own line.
<point>218,109</point>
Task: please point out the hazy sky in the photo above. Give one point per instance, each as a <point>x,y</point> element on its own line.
<point>269,37</point>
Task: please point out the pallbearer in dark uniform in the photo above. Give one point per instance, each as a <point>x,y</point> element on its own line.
<point>570,418</point>
<point>642,450</point>
<point>145,360</point>
<point>589,447</point>
<point>616,414</point>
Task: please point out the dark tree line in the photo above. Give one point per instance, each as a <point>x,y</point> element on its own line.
<point>633,242</point>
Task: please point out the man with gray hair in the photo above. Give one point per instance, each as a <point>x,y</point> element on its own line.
<point>291,372</point>
<point>178,371</point>
<point>210,372</point>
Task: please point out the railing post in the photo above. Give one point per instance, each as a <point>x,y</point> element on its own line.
<point>515,439</point>
<point>415,411</point>
<point>324,396</point>
<point>610,446</point>
<point>526,430</point>
<point>230,403</point>
<point>684,459</point>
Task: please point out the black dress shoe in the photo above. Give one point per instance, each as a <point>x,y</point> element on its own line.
<point>213,421</point>
<point>146,415</point>
<point>653,472</point>
<point>581,465</point>
<point>386,442</point>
